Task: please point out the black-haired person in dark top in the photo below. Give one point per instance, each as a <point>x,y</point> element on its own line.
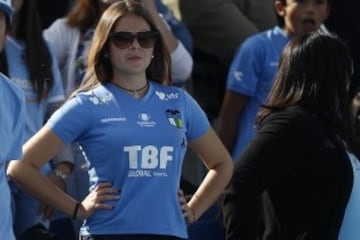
<point>296,167</point>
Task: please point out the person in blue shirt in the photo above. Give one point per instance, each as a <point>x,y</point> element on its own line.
<point>12,112</point>
<point>29,62</point>
<point>70,38</point>
<point>134,130</point>
<point>254,67</point>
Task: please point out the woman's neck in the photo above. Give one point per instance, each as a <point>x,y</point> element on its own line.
<point>135,86</point>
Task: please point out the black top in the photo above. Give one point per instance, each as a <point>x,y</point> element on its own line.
<point>304,178</point>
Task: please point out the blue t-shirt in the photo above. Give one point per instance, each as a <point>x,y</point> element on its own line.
<point>350,226</point>
<point>178,28</point>
<point>12,112</point>
<point>139,146</point>
<point>18,73</point>
<point>251,73</point>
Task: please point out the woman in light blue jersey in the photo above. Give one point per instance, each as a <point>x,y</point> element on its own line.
<point>70,37</point>
<point>134,129</point>
<point>12,112</point>
<point>29,62</point>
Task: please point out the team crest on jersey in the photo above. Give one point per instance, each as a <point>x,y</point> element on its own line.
<point>174,118</point>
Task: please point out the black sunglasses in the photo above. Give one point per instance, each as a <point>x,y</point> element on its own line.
<point>124,40</point>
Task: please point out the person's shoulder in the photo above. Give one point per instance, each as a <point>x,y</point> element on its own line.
<point>260,35</point>
<point>60,25</point>
<point>269,35</point>
<point>165,92</point>
<point>97,95</point>
<point>298,117</point>
<point>276,34</point>
<point>166,88</point>
<point>11,42</point>
<point>257,40</point>
<point>60,22</point>
<point>293,112</point>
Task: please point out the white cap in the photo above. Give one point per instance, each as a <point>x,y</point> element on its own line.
<point>5,6</point>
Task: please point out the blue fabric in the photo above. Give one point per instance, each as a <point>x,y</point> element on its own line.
<point>251,73</point>
<point>145,143</point>
<point>24,207</point>
<point>19,74</point>
<point>12,112</point>
<point>350,226</point>
<point>78,182</point>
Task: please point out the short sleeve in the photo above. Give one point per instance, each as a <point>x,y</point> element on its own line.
<point>197,123</point>
<point>72,120</point>
<point>243,75</point>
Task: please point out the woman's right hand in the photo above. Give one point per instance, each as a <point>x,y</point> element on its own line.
<point>95,200</point>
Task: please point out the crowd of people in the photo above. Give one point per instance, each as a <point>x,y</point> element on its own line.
<point>104,100</point>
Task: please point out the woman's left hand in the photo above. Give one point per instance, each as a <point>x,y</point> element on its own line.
<point>189,214</point>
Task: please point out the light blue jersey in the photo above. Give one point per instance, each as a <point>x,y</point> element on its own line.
<point>18,72</point>
<point>252,73</point>
<point>25,208</point>
<point>12,112</point>
<point>350,229</point>
<point>139,145</point>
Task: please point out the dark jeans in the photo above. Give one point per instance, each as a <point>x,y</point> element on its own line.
<point>129,237</point>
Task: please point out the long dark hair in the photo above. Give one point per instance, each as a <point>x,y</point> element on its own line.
<point>99,68</point>
<point>314,70</point>
<point>27,27</point>
<point>3,62</point>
